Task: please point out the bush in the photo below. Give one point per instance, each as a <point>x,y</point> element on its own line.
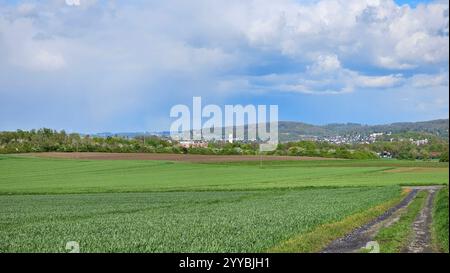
<point>444,157</point>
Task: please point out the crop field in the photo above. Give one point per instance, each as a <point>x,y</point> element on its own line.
<point>242,221</point>
<point>24,175</point>
<point>164,206</point>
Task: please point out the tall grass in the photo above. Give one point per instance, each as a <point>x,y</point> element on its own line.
<point>441,221</point>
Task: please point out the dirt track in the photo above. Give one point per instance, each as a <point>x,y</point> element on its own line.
<point>358,238</point>
<point>421,241</point>
<point>172,157</point>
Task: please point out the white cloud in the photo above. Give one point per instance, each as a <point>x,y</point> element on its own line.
<point>427,80</point>
<point>135,53</point>
<point>325,64</point>
<point>378,81</point>
<point>385,34</point>
<point>326,76</point>
<point>370,33</point>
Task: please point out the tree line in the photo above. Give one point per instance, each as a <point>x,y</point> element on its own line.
<point>47,140</point>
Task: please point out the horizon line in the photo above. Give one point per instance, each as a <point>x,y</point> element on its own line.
<point>291,121</point>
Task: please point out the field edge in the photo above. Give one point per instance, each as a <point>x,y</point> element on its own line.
<point>440,221</point>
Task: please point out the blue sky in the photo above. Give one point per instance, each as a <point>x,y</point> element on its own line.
<point>93,66</point>
<point>412,3</point>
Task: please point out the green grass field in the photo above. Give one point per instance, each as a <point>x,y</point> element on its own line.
<point>156,206</point>
<point>230,221</point>
<point>23,175</point>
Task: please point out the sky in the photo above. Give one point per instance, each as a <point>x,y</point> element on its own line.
<point>113,66</point>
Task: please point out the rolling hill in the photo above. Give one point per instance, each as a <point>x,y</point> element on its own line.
<point>296,130</point>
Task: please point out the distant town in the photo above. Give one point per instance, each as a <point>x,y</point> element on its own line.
<point>412,141</point>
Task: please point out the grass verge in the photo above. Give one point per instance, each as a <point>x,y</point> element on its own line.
<point>441,221</point>
<point>394,237</point>
<point>320,237</point>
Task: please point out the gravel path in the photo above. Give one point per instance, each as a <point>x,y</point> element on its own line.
<point>421,242</point>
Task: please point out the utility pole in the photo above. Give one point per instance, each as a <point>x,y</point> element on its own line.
<point>260,160</point>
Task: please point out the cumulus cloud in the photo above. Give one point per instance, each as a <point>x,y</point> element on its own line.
<point>146,52</point>
<point>427,80</point>
<point>325,64</point>
<point>325,76</point>
<point>382,33</point>
<point>209,36</point>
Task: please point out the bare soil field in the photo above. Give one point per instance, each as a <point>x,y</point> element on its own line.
<point>408,170</point>
<point>172,157</point>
